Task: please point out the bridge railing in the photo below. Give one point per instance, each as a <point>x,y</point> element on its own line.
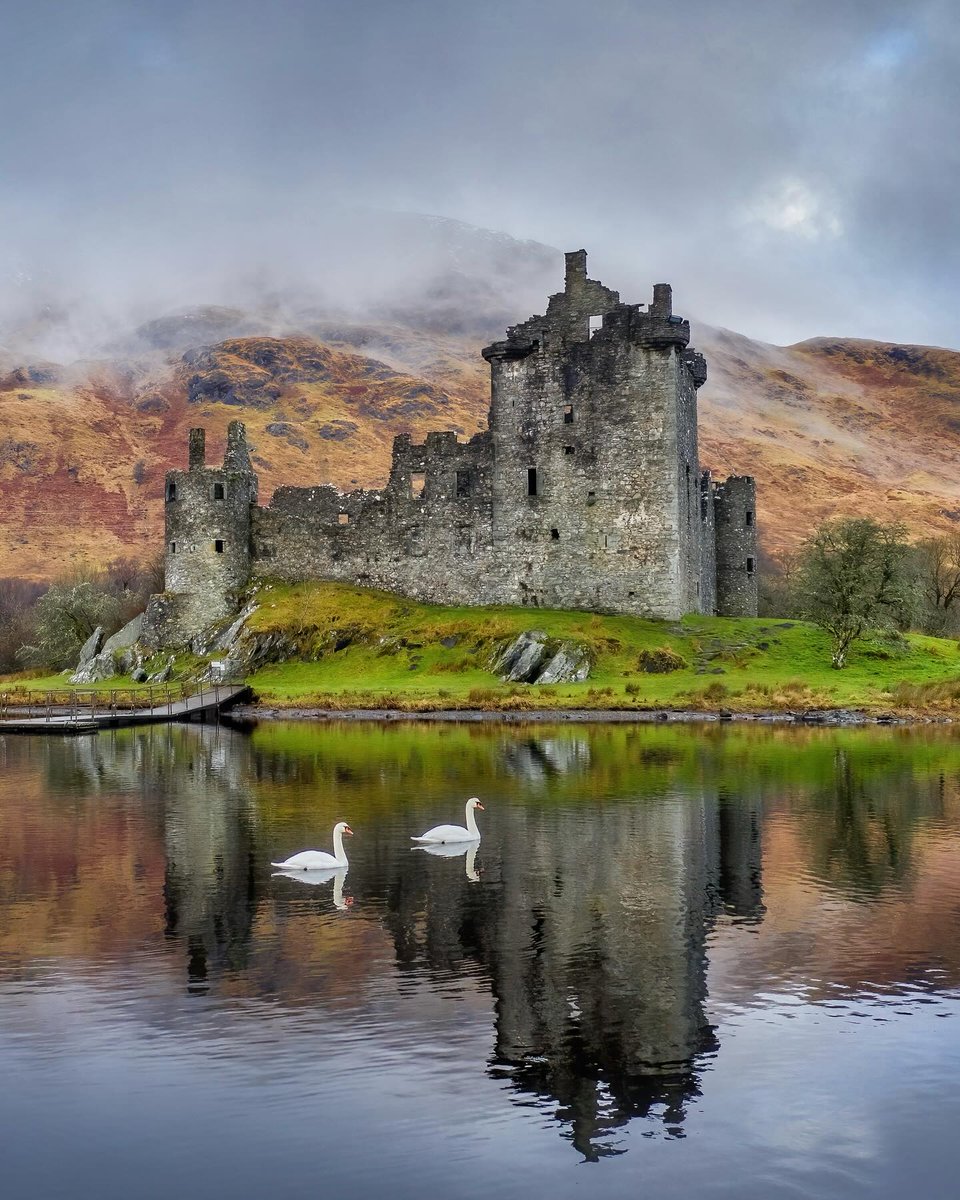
<point>79,703</point>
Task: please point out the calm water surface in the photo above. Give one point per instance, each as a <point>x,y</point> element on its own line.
<point>684,962</point>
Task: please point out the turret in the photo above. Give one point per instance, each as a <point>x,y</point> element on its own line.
<point>735,510</point>
<point>207,521</point>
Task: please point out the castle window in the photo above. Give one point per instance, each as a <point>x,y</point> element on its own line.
<point>343,518</point>
<point>569,449</point>
<point>596,324</point>
<point>218,545</point>
<point>171,492</point>
<point>591,498</point>
<point>568,414</point>
<point>418,481</point>
<point>749,516</point>
<point>532,482</point>
<point>218,491</point>
<point>750,566</point>
<point>464,484</point>
<point>173,547</point>
<point>555,535</point>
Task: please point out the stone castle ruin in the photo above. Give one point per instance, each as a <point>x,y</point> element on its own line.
<point>585,491</point>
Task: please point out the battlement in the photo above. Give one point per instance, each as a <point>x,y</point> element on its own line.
<point>586,309</point>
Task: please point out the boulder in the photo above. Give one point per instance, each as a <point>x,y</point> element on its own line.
<point>91,646</point>
<point>125,637</point>
<point>163,675</point>
<point>94,670</point>
<point>533,657</point>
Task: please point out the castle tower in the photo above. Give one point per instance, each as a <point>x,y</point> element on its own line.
<point>597,495</point>
<point>207,522</point>
<point>735,507</point>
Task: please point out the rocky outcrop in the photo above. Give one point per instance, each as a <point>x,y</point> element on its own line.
<point>118,655</point>
<point>533,657</point>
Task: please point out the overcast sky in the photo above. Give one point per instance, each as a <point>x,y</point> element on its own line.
<point>792,168</point>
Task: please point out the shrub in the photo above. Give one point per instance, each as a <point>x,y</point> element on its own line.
<point>660,661</point>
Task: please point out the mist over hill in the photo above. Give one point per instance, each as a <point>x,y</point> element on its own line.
<point>380,335</point>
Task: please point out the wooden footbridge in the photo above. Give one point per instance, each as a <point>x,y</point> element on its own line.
<point>87,710</point>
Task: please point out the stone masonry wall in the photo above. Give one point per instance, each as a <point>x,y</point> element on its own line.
<point>736,519</point>
<point>426,534</point>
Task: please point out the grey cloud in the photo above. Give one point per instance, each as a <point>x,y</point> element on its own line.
<point>790,167</point>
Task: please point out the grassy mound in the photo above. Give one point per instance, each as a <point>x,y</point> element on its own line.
<point>360,648</point>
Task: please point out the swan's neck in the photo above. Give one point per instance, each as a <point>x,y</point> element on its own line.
<point>472,820</point>
<point>338,851</point>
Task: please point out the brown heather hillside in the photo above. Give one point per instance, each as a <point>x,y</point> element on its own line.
<point>828,427</point>
<point>83,452</point>
<point>835,426</point>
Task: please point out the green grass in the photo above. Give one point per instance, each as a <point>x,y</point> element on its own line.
<point>358,648</point>
<point>366,649</point>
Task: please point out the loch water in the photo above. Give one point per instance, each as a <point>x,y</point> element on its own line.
<point>707,961</point>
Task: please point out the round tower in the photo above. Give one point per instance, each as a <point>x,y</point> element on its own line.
<point>735,511</point>
<point>207,521</point>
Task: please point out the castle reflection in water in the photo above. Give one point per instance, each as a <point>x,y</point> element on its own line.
<point>589,924</point>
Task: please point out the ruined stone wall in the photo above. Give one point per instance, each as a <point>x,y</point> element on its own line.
<point>427,534</point>
<point>708,545</point>
<point>736,530</point>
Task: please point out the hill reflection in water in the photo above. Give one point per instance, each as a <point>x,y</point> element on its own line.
<point>636,890</point>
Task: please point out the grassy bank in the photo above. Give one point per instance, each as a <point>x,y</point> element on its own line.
<point>362,649</point>
<point>357,648</point>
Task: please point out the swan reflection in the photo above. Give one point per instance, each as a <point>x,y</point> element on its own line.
<point>313,878</point>
<point>454,850</point>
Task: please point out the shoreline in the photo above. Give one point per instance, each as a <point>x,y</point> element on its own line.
<point>249,713</point>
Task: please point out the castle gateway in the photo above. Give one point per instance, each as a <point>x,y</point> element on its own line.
<point>585,492</point>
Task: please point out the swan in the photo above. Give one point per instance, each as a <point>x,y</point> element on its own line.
<point>442,850</point>
<point>441,834</point>
<point>320,860</point>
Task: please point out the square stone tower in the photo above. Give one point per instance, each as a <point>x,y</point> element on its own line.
<point>598,498</point>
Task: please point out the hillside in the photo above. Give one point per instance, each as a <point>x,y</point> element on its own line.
<point>827,426</point>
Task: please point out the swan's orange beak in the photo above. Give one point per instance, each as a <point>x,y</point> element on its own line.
<point>348,830</point>
<point>478,805</point>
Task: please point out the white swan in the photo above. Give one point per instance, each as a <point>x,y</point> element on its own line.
<point>455,833</point>
<point>320,860</point>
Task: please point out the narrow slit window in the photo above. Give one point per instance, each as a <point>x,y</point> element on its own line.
<point>218,545</point>
<point>218,491</point>
<point>568,414</point>
<point>596,324</point>
<point>418,481</point>
<point>555,535</point>
<point>532,481</point>
<point>464,487</point>
<point>750,566</point>
<point>173,547</point>
<point>343,518</point>
<point>749,516</point>
<point>171,491</point>
<point>569,449</point>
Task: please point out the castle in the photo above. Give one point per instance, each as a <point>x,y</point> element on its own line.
<point>585,491</point>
